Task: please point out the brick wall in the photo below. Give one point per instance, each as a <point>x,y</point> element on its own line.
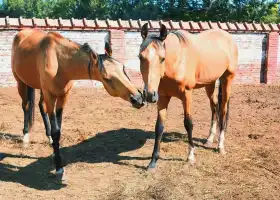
<point>252,54</point>
<point>251,59</point>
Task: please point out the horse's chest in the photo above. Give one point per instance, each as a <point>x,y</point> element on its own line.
<point>171,87</point>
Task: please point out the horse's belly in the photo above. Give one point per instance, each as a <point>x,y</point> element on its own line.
<point>209,75</point>
<point>210,69</point>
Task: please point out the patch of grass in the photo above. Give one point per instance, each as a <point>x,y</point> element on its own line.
<point>3,127</point>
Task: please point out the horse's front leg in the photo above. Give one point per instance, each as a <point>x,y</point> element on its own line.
<point>50,101</point>
<point>187,102</point>
<point>162,110</point>
<point>61,102</point>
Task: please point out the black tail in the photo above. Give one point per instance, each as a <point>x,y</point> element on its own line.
<point>31,105</point>
<point>219,109</point>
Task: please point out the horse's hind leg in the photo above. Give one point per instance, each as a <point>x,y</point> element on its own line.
<point>27,95</point>
<point>225,83</point>
<point>22,90</point>
<point>211,91</point>
<point>43,111</point>
<point>187,102</point>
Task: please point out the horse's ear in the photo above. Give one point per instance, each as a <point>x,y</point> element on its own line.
<point>108,49</point>
<point>163,32</point>
<point>144,31</point>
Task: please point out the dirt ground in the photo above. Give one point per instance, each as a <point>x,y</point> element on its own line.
<point>106,145</point>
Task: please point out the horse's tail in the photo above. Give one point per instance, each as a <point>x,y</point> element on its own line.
<point>219,107</point>
<point>31,105</point>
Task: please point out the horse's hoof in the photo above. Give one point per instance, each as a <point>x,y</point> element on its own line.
<point>191,161</point>
<point>25,140</point>
<point>151,167</point>
<point>222,151</point>
<point>60,174</point>
<point>50,140</point>
<point>208,143</point>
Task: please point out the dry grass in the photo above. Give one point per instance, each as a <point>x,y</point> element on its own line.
<point>106,146</point>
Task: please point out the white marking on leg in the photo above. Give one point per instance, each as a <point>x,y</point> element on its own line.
<point>59,171</point>
<point>25,138</point>
<point>60,174</point>
<point>217,83</point>
<point>212,133</point>
<point>221,142</point>
<point>50,140</point>
<point>191,158</point>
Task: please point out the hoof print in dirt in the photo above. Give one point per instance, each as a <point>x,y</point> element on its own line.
<point>255,136</point>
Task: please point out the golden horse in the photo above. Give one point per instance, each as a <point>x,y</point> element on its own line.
<point>173,64</point>
<point>50,62</point>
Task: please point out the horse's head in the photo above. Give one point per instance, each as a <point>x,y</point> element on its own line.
<point>152,56</point>
<point>114,78</point>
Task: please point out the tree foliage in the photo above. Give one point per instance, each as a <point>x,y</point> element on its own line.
<point>195,10</point>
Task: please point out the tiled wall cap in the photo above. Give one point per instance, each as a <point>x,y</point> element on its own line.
<point>19,23</point>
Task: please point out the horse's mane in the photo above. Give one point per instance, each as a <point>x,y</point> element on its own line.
<point>180,35</point>
<point>155,38</point>
<point>150,38</point>
<point>86,47</point>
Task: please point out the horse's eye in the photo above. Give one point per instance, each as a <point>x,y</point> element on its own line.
<point>162,60</point>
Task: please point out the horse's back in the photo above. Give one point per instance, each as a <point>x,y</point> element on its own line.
<point>216,53</point>
<point>24,52</point>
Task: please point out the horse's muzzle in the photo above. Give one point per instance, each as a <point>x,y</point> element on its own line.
<point>137,100</point>
<point>151,97</point>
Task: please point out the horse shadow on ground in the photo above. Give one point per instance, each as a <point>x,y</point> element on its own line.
<point>104,147</point>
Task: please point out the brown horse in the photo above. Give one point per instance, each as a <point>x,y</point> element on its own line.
<point>50,62</point>
<point>174,64</point>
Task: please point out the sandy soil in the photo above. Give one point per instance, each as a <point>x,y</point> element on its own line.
<point>106,145</point>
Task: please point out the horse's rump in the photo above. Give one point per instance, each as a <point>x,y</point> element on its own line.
<point>24,52</point>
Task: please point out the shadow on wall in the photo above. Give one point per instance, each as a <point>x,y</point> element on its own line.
<point>104,147</point>
<point>263,71</point>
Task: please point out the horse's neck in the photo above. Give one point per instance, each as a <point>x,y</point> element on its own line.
<point>178,54</point>
<point>76,66</point>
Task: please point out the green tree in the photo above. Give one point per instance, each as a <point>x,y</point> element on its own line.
<point>272,15</point>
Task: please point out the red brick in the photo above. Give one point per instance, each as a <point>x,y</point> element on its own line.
<point>25,22</point>
<point>64,23</point>
<point>154,24</point>
<point>204,25</point>
<point>223,25</point>
<point>100,23</point>
<point>77,23</point>
<point>185,25</point>
<point>231,26</point>
<point>166,23</point>
<point>194,26</point>
<point>213,25</point>
<point>174,25</point>
<point>39,22</point>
